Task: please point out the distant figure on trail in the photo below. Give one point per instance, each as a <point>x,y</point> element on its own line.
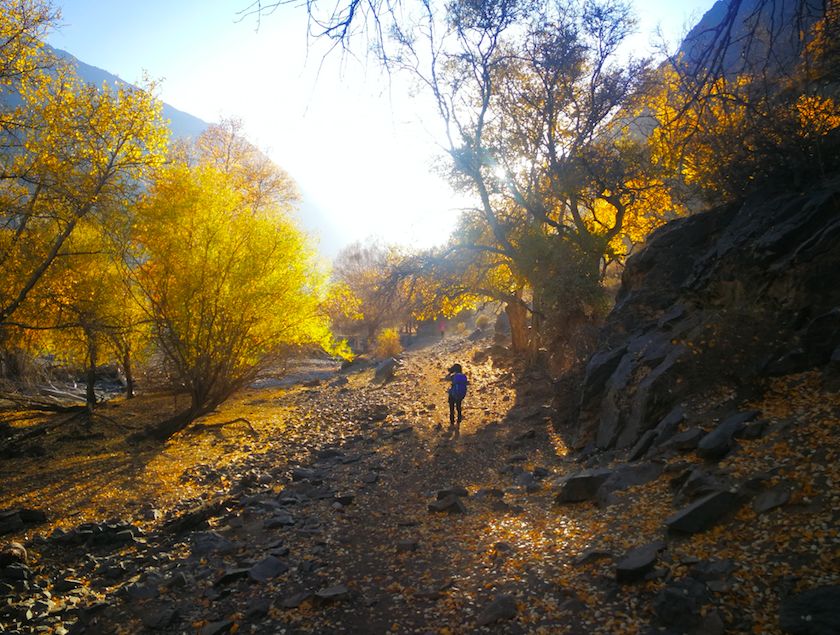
<point>457,391</point>
<point>442,327</point>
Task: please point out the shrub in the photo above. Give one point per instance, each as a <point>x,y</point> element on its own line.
<point>482,321</point>
<point>387,344</point>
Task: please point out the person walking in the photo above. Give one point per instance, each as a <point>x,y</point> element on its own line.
<point>457,391</point>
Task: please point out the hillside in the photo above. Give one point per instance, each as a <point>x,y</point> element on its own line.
<point>182,124</point>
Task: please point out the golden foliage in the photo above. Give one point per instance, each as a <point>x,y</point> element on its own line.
<point>387,343</point>
<point>227,285</point>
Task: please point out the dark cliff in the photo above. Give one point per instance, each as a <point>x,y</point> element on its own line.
<point>720,299</point>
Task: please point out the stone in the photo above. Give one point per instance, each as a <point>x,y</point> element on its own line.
<point>67,584</point>
<point>669,425</point>
<point>258,608</point>
<point>678,605</point>
<point>267,568</point>
<point>455,490</point>
<point>16,571</point>
<point>709,570</point>
<point>406,546</point>
<point>753,430</point>
<point>581,486</point>
<point>345,499</point>
<point>812,612</point>
<point>642,446</point>
<point>216,628</point>
<point>335,592</point>
<point>772,498</point>
<point>637,562</point>
<point>591,555</point>
<point>295,600</point>
<point>141,590</point>
<point>204,543</point>
<point>12,552</point>
<point>627,476</point>
<point>32,516</point>
<point>449,505</point>
<point>280,519</point>
<point>719,441</point>
<point>502,608</point>
<point>305,474</point>
<point>10,521</point>
<point>698,482</point>
<point>158,618</point>
<point>599,369</point>
<point>370,478</point>
<point>329,453</point>
<point>385,370</point>
<point>231,575</point>
<point>686,440</point>
<point>704,513</point>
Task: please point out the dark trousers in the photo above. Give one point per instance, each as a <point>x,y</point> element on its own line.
<point>453,405</point>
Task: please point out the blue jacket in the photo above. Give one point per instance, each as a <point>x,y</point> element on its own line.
<point>458,390</point>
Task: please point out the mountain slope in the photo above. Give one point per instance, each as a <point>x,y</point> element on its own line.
<point>181,124</point>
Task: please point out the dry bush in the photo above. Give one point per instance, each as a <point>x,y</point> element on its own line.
<point>387,344</point>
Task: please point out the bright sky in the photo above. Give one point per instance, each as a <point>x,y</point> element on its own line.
<point>358,146</point>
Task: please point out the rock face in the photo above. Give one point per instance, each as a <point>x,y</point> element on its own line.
<point>718,298</point>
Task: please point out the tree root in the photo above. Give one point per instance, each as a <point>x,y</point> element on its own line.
<point>201,427</point>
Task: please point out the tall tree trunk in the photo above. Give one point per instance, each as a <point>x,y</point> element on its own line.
<point>518,318</point>
<point>90,393</point>
<point>129,374</point>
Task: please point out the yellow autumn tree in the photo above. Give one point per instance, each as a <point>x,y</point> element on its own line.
<point>228,287</point>
<point>84,310</point>
<point>82,151</point>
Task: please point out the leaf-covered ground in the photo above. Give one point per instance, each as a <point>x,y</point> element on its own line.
<point>329,494</point>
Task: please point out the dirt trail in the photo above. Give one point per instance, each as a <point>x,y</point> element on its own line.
<point>318,520</point>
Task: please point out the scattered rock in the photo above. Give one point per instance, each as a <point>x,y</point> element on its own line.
<point>159,618</point>
<point>370,478</point>
<point>345,499</point>
<point>67,584</point>
<point>305,474</point>
<point>581,486</point>
<point>385,370</point>
<point>686,440</point>
<point>141,591</point>
<point>627,476</point>
<point>678,605</point>
<point>231,575</point>
<point>772,498</point>
<point>267,568</point>
<point>215,628</point>
<point>638,562</point>
<point>704,513</point>
<point>452,491</point>
<point>502,608</point>
<point>13,552</point>
<point>591,555</point>
<point>406,546</point>
<point>258,608</point>
<point>719,441</point>
<point>450,505</point>
<point>295,600</point>
<point>336,592</point>
<point>280,519</point>
<point>812,612</point>
<point>207,542</point>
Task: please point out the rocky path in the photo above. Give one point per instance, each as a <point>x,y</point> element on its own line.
<point>377,518</point>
